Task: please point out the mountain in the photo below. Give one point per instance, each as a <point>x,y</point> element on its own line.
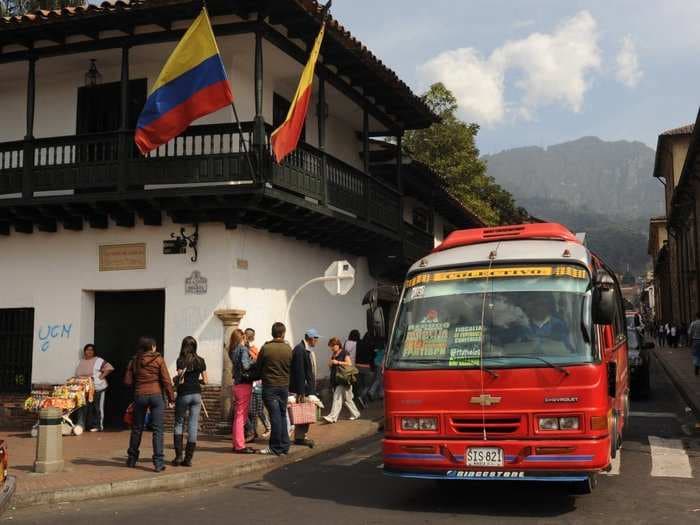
<point>603,188</point>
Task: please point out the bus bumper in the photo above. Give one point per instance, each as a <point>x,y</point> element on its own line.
<point>524,460</point>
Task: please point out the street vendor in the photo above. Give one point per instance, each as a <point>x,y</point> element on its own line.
<point>98,369</point>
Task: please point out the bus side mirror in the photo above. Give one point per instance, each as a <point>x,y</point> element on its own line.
<point>603,299</point>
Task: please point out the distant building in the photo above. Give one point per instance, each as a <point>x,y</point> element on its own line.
<point>660,278</point>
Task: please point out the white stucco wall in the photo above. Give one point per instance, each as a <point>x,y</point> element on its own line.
<point>58,80</point>
<point>57,273</point>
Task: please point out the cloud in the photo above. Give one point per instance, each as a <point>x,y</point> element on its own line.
<point>552,68</point>
<point>628,70</point>
<point>476,83</point>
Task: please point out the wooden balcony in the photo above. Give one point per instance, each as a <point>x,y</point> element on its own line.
<point>196,177</point>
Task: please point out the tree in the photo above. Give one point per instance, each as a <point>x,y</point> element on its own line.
<point>449,149</point>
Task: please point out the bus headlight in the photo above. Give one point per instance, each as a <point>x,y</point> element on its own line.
<point>559,423</point>
<point>569,423</point>
<point>548,423</point>
<point>419,423</point>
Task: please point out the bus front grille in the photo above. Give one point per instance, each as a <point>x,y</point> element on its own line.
<point>476,424</point>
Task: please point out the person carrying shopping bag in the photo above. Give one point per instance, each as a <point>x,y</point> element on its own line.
<point>149,375</point>
<point>341,382</point>
<point>190,369</point>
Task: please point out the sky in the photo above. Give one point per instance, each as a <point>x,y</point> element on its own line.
<point>541,72</point>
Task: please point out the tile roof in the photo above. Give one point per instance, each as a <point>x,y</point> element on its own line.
<point>683,130</point>
<point>40,16</point>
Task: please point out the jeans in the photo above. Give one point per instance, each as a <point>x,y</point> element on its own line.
<point>376,391</point>
<point>275,399</point>
<point>342,395</point>
<point>156,404</point>
<point>696,352</point>
<point>242,393</point>
<point>193,402</point>
<point>364,382</point>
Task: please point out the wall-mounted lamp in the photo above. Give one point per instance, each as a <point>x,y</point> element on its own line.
<point>93,76</point>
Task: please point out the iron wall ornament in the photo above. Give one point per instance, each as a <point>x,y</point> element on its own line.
<point>181,241</point>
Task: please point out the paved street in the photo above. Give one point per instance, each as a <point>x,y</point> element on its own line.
<point>656,480</point>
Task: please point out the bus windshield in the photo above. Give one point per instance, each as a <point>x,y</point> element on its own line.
<point>522,316</point>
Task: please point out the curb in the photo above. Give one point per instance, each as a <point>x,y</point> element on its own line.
<point>675,378</point>
<point>175,481</point>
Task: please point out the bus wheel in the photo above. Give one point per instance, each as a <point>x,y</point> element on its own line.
<point>587,486</point>
<point>614,437</point>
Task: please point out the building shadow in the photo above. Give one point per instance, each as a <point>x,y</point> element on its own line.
<point>365,487</point>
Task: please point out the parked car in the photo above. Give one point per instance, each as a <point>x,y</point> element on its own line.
<point>7,482</point>
<point>638,347</point>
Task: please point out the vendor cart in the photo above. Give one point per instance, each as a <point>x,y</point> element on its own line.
<point>70,398</point>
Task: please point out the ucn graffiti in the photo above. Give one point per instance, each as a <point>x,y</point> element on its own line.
<point>51,332</point>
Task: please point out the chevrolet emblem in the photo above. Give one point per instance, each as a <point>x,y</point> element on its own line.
<point>485,400</point>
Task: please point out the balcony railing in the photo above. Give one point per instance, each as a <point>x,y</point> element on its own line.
<point>417,243</point>
<point>209,154</point>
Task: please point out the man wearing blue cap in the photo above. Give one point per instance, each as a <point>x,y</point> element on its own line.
<point>302,379</point>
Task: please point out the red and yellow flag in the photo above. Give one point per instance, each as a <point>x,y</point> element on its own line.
<point>286,137</point>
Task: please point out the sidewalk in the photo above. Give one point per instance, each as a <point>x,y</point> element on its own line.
<point>678,364</point>
<point>95,462</point>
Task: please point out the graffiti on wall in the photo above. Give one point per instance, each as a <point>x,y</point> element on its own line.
<point>52,332</point>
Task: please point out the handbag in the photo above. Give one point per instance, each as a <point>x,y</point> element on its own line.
<point>129,415</point>
<point>247,376</point>
<point>346,375</point>
<point>302,413</point>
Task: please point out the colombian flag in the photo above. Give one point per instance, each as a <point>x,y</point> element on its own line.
<point>285,138</point>
<point>192,84</point>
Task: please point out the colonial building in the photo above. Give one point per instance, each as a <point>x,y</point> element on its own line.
<point>84,218</point>
<point>658,294</point>
<point>673,240</point>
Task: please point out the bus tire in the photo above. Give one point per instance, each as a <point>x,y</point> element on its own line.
<point>587,486</point>
<point>614,437</point>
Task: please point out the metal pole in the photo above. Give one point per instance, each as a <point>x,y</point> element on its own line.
<point>322,279</point>
<point>240,133</point>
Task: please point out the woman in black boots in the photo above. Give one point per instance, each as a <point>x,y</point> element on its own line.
<point>191,375</point>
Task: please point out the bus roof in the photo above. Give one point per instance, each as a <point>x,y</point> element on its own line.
<point>519,232</point>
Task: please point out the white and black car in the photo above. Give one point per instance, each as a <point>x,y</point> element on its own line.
<point>638,353</point>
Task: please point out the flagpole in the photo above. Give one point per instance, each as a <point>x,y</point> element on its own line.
<point>240,133</point>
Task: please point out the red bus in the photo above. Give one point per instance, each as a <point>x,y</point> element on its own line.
<point>507,361</point>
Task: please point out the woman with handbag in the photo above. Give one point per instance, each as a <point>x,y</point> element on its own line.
<point>149,375</point>
<point>190,368</point>
<point>243,376</point>
<point>340,364</point>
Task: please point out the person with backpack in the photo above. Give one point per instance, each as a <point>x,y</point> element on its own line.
<point>190,369</point>
<point>341,381</point>
<point>149,375</point>
<point>243,376</point>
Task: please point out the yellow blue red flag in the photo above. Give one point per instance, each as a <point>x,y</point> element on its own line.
<point>192,84</point>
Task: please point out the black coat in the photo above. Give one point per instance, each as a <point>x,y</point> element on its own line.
<point>301,377</point>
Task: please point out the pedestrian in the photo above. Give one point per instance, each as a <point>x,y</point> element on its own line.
<point>91,417</point>
<point>303,379</point>
<point>149,375</point>
<point>351,344</point>
<point>243,375</point>
<point>694,337</point>
<point>660,339</point>
<point>376,391</point>
<point>673,335</point>
<point>342,394</point>
<point>364,364</point>
<point>257,408</point>
<point>273,367</point>
<point>191,375</point>
<point>683,334</point>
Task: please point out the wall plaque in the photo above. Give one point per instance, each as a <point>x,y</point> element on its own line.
<point>195,284</point>
<point>122,257</point>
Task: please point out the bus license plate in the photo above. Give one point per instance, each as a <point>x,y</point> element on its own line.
<point>485,457</point>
